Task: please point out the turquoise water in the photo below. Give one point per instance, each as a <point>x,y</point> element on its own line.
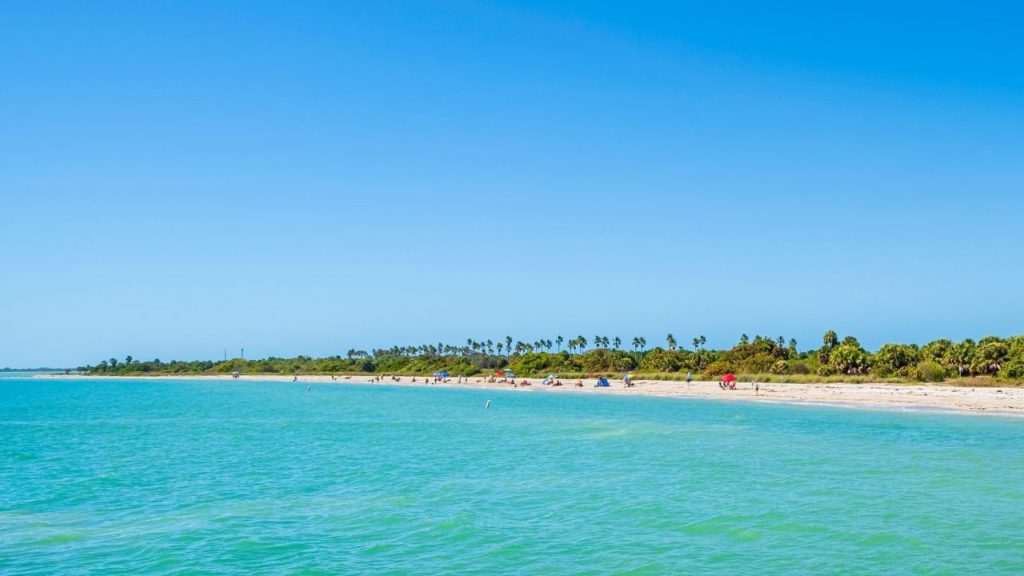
<point>187,477</point>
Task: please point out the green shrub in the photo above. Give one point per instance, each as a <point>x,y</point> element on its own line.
<point>780,367</point>
<point>929,371</point>
<point>1013,369</point>
<point>989,356</point>
<point>799,368</point>
<point>659,360</point>
<point>891,358</point>
<point>827,370</point>
<point>718,369</point>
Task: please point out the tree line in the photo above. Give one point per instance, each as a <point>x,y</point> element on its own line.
<point>991,358</point>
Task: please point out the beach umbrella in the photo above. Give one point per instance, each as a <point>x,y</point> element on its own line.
<point>730,377</point>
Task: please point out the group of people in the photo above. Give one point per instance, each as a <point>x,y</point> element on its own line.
<point>602,382</point>
<point>731,385</point>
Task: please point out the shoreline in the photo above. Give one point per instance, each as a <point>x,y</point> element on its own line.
<point>1007,401</point>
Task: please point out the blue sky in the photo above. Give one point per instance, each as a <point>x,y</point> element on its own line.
<point>302,178</point>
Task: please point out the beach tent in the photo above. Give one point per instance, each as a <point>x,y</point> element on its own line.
<point>602,382</point>
<point>730,377</point>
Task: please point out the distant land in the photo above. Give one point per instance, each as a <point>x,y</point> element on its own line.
<point>991,361</point>
<point>8,369</point>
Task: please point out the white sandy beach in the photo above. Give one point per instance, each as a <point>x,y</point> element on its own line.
<point>1002,400</point>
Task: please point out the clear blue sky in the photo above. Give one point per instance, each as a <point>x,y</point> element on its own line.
<point>306,177</point>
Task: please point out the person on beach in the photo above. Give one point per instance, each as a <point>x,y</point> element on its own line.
<point>689,377</point>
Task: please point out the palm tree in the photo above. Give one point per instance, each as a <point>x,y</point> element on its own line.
<point>559,341</point>
<point>582,343</point>
<point>500,346</point>
<point>699,341</point>
<point>636,343</point>
<point>830,340</point>
<point>671,341</point>
<point>643,343</point>
<point>508,345</point>
<point>616,342</point>
<point>490,346</point>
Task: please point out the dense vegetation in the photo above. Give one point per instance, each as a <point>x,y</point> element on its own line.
<point>991,359</point>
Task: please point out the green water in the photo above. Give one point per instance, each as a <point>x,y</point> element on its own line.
<point>178,477</point>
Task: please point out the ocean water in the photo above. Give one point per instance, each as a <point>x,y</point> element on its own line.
<point>191,477</point>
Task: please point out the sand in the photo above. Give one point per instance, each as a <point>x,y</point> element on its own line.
<point>1000,401</point>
